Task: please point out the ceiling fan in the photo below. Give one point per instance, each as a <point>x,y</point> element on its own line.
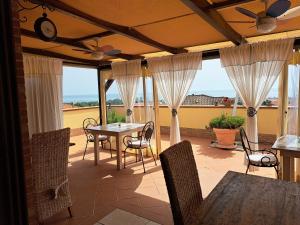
<point>98,52</point>
<point>267,20</point>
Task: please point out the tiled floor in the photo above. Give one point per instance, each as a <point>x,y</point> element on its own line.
<point>98,190</point>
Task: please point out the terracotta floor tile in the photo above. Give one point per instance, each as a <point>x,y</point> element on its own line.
<point>98,190</point>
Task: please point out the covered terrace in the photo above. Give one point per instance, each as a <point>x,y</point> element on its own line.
<point>164,42</point>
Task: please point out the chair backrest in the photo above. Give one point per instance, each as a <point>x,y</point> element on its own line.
<point>182,182</point>
<point>88,122</point>
<point>49,163</point>
<point>147,131</point>
<point>245,142</point>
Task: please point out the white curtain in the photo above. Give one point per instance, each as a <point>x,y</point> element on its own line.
<point>293,110</point>
<point>127,75</point>
<point>43,86</point>
<point>173,76</point>
<point>252,70</point>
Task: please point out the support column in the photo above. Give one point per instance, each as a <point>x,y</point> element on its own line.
<point>298,133</point>
<point>145,97</point>
<point>282,108</point>
<point>157,122</point>
<point>283,101</point>
<point>102,94</point>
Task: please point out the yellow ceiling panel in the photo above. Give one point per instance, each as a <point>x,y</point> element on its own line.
<point>131,12</point>
<point>182,32</point>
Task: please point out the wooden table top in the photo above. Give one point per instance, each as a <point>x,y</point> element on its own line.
<point>241,199</point>
<point>117,127</point>
<point>287,142</point>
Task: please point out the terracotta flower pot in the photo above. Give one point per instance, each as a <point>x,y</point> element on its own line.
<point>225,137</point>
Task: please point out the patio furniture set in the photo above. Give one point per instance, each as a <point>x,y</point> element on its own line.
<point>101,133</point>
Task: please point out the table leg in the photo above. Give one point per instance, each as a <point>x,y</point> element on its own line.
<point>292,169</point>
<point>287,167</point>
<point>96,149</point>
<point>119,151</point>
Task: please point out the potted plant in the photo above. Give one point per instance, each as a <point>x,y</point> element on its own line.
<point>225,128</point>
<point>227,101</point>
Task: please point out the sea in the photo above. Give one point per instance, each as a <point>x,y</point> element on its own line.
<point>110,96</point>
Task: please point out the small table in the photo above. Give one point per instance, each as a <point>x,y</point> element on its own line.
<point>241,199</point>
<point>117,130</point>
<point>289,147</point>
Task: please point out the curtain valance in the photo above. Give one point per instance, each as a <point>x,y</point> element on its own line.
<point>275,50</point>
<point>41,66</point>
<point>131,68</point>
<point>179,62</point>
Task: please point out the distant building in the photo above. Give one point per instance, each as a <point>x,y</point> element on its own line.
<point>204,100</point>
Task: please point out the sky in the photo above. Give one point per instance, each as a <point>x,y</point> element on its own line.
<point>212,80</point>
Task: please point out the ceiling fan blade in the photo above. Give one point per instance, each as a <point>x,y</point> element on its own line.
<point>112,52</point>
<point>81,50</point>
<point>237,21</point>
<point>278,8</point>
<point>106,48</point>
<point>88,46</point>
<point>246,12</point>
<point>291,13</point>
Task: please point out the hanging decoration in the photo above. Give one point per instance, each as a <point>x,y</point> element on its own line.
<point>31,5</point>
<point>45,28</point>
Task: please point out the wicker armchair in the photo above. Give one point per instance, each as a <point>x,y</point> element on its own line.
<point>182,182</point>
<point>49,162</point>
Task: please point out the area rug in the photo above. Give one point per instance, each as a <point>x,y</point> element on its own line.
<point>121,217</point>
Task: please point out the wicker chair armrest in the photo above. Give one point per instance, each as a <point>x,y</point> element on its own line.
<point>54,191</point>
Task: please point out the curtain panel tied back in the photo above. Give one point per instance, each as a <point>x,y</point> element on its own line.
<point>127,75</point>
<point>43,86</point>
<point>173,76</point>
<point>252,70</point>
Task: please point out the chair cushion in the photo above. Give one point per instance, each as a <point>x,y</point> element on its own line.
<point>261,159</point>
<point>138,143</point>
<point>101,138</point>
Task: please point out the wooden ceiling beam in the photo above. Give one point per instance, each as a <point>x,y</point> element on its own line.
<point>98,35</point>
<point>74,43</point>
<point>47,53</point>
<point>212,17</point>
<point>227,4</point>
<point>118,29</point>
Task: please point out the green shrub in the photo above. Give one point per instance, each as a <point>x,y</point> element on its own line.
<point>86,104</point>
<point>226,122</point>
<point>113,117</point>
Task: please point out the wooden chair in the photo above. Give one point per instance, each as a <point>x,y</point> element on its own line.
<point>49,163</point>
<point>142,141</point>
<point>259,158</point>
<point>88,122</point>
<point>182,182</point>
